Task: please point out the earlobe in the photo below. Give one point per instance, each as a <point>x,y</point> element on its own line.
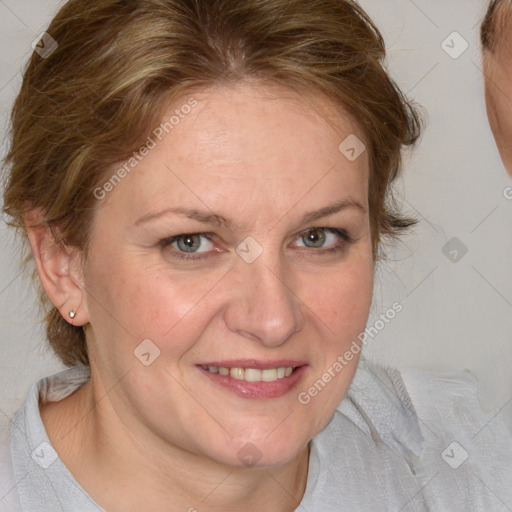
<point>59,269</point>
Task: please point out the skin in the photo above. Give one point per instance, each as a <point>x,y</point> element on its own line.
<point>261,156</point>
<point>498,92</point>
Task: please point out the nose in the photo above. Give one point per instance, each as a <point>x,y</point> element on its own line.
<point>264,307</point>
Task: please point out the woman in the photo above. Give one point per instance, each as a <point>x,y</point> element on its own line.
<point>204,187</point>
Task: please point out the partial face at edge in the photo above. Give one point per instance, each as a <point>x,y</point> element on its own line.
<point>262,158</point>
<point>498,94</point>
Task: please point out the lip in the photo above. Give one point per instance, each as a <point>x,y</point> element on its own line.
<point>256,390</point>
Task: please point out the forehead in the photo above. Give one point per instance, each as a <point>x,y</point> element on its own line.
<point>271,124</point>
<point>222,103</point>
<point>269,146</point>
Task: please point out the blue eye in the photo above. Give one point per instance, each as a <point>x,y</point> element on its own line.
<point>187,245</point>
<point>317,237</point>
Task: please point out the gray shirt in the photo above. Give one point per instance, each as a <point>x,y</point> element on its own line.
<point>399,441</point>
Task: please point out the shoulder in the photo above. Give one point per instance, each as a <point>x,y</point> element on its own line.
<point>449,410</point>
<point>450,400</point>
<point>9,498</point>
<point>41,480</point>
<point>460,454</point>
<point>470,447</point>
<point>412,441</point>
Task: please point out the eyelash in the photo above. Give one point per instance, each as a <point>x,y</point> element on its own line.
<point>344,236</point>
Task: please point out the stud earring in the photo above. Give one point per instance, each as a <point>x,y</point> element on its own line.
<point>72,313</point>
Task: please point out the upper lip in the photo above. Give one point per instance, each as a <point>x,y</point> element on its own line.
<point>254,363</point>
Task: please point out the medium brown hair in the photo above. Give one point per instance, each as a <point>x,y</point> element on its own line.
<point>95,99</point>
<point>495,22</point>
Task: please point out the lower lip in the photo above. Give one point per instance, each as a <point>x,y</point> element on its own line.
<point>257,390</point>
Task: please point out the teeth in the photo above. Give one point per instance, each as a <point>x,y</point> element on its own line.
<point>237,373</point>
<point>269,375</point>
<point>252,374</point>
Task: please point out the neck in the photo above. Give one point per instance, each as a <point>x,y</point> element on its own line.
<point>117,465</point>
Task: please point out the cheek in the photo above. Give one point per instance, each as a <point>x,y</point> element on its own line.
<point>341,308</point>
<point>125,299</point>
<point>341,298</point>
<point>143,298</point>
<point>138,301</point>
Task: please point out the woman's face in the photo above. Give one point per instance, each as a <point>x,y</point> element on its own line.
<point>281,278</point>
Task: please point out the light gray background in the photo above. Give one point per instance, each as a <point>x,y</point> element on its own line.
<point>455,315</point>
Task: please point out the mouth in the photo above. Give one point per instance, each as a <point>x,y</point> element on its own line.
<point>250,379</point>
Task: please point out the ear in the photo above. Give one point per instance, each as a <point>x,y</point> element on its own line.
<point>59,268</point>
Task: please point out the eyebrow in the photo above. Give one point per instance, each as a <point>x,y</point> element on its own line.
<point>206,217</point>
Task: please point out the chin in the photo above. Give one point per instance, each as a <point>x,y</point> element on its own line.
<point>263,453</point>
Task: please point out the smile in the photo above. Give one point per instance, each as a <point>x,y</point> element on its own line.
<point>255,383</point>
